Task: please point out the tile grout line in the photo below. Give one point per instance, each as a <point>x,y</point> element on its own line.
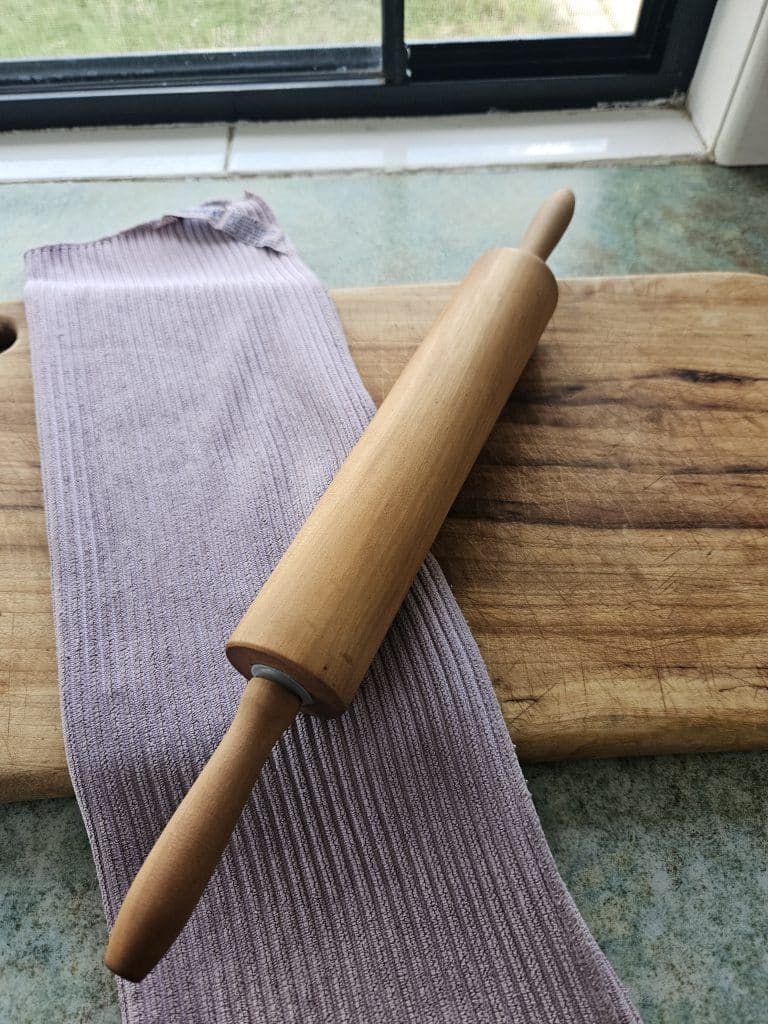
<point>230,140</point>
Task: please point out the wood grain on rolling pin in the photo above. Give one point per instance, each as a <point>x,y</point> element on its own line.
<point>609,549</point>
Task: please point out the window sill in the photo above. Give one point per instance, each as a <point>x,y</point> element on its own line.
<point>646,134</point>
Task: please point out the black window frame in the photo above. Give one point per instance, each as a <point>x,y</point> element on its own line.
<point>397,78</point>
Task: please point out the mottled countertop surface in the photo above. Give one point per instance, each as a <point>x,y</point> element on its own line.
<point>667,858</point>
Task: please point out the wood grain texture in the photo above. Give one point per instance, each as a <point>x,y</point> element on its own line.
<point>608,550</point>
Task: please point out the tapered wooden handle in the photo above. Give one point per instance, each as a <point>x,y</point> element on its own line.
<point>549,223</point>
<point>179,866</point>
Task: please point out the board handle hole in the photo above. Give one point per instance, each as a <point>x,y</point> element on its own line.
<point>8,334</point>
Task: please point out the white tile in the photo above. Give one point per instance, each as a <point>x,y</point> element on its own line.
<point>397,144</point>
<point>387,144</point>
<point>151,152</point>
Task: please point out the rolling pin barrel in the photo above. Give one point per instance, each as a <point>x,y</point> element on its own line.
<point>317,623</point>
<point>324,611</point>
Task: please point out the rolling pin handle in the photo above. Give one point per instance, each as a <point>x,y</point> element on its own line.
<point>179,866</point>
<point>549,223</point>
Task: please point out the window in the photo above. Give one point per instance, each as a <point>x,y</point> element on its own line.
<point>468,19</point>
<point>67,62</point>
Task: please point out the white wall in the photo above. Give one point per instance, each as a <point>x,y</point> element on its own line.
<point>728,96</point>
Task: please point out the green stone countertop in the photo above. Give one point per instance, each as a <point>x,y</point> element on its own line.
<point>667,858</point>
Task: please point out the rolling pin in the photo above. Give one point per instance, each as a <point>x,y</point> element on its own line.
<point>310,634</point>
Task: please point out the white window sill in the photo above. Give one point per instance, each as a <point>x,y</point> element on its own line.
<point>384,145</point>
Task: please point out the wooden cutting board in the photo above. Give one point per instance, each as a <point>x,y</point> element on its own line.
<point>609,549</point>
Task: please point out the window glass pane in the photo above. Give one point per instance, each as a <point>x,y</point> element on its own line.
<point>73,28</point>
<point>516,19</point>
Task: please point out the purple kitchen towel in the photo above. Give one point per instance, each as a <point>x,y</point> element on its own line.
<point>195,395</point>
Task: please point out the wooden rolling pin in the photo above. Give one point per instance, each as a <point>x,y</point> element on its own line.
<point>312,631</point>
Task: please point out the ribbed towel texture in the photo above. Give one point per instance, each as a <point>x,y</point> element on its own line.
<point>195,395</point>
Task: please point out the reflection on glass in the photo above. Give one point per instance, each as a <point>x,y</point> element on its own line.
<point>518,19</point>
<point>73,28</point>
